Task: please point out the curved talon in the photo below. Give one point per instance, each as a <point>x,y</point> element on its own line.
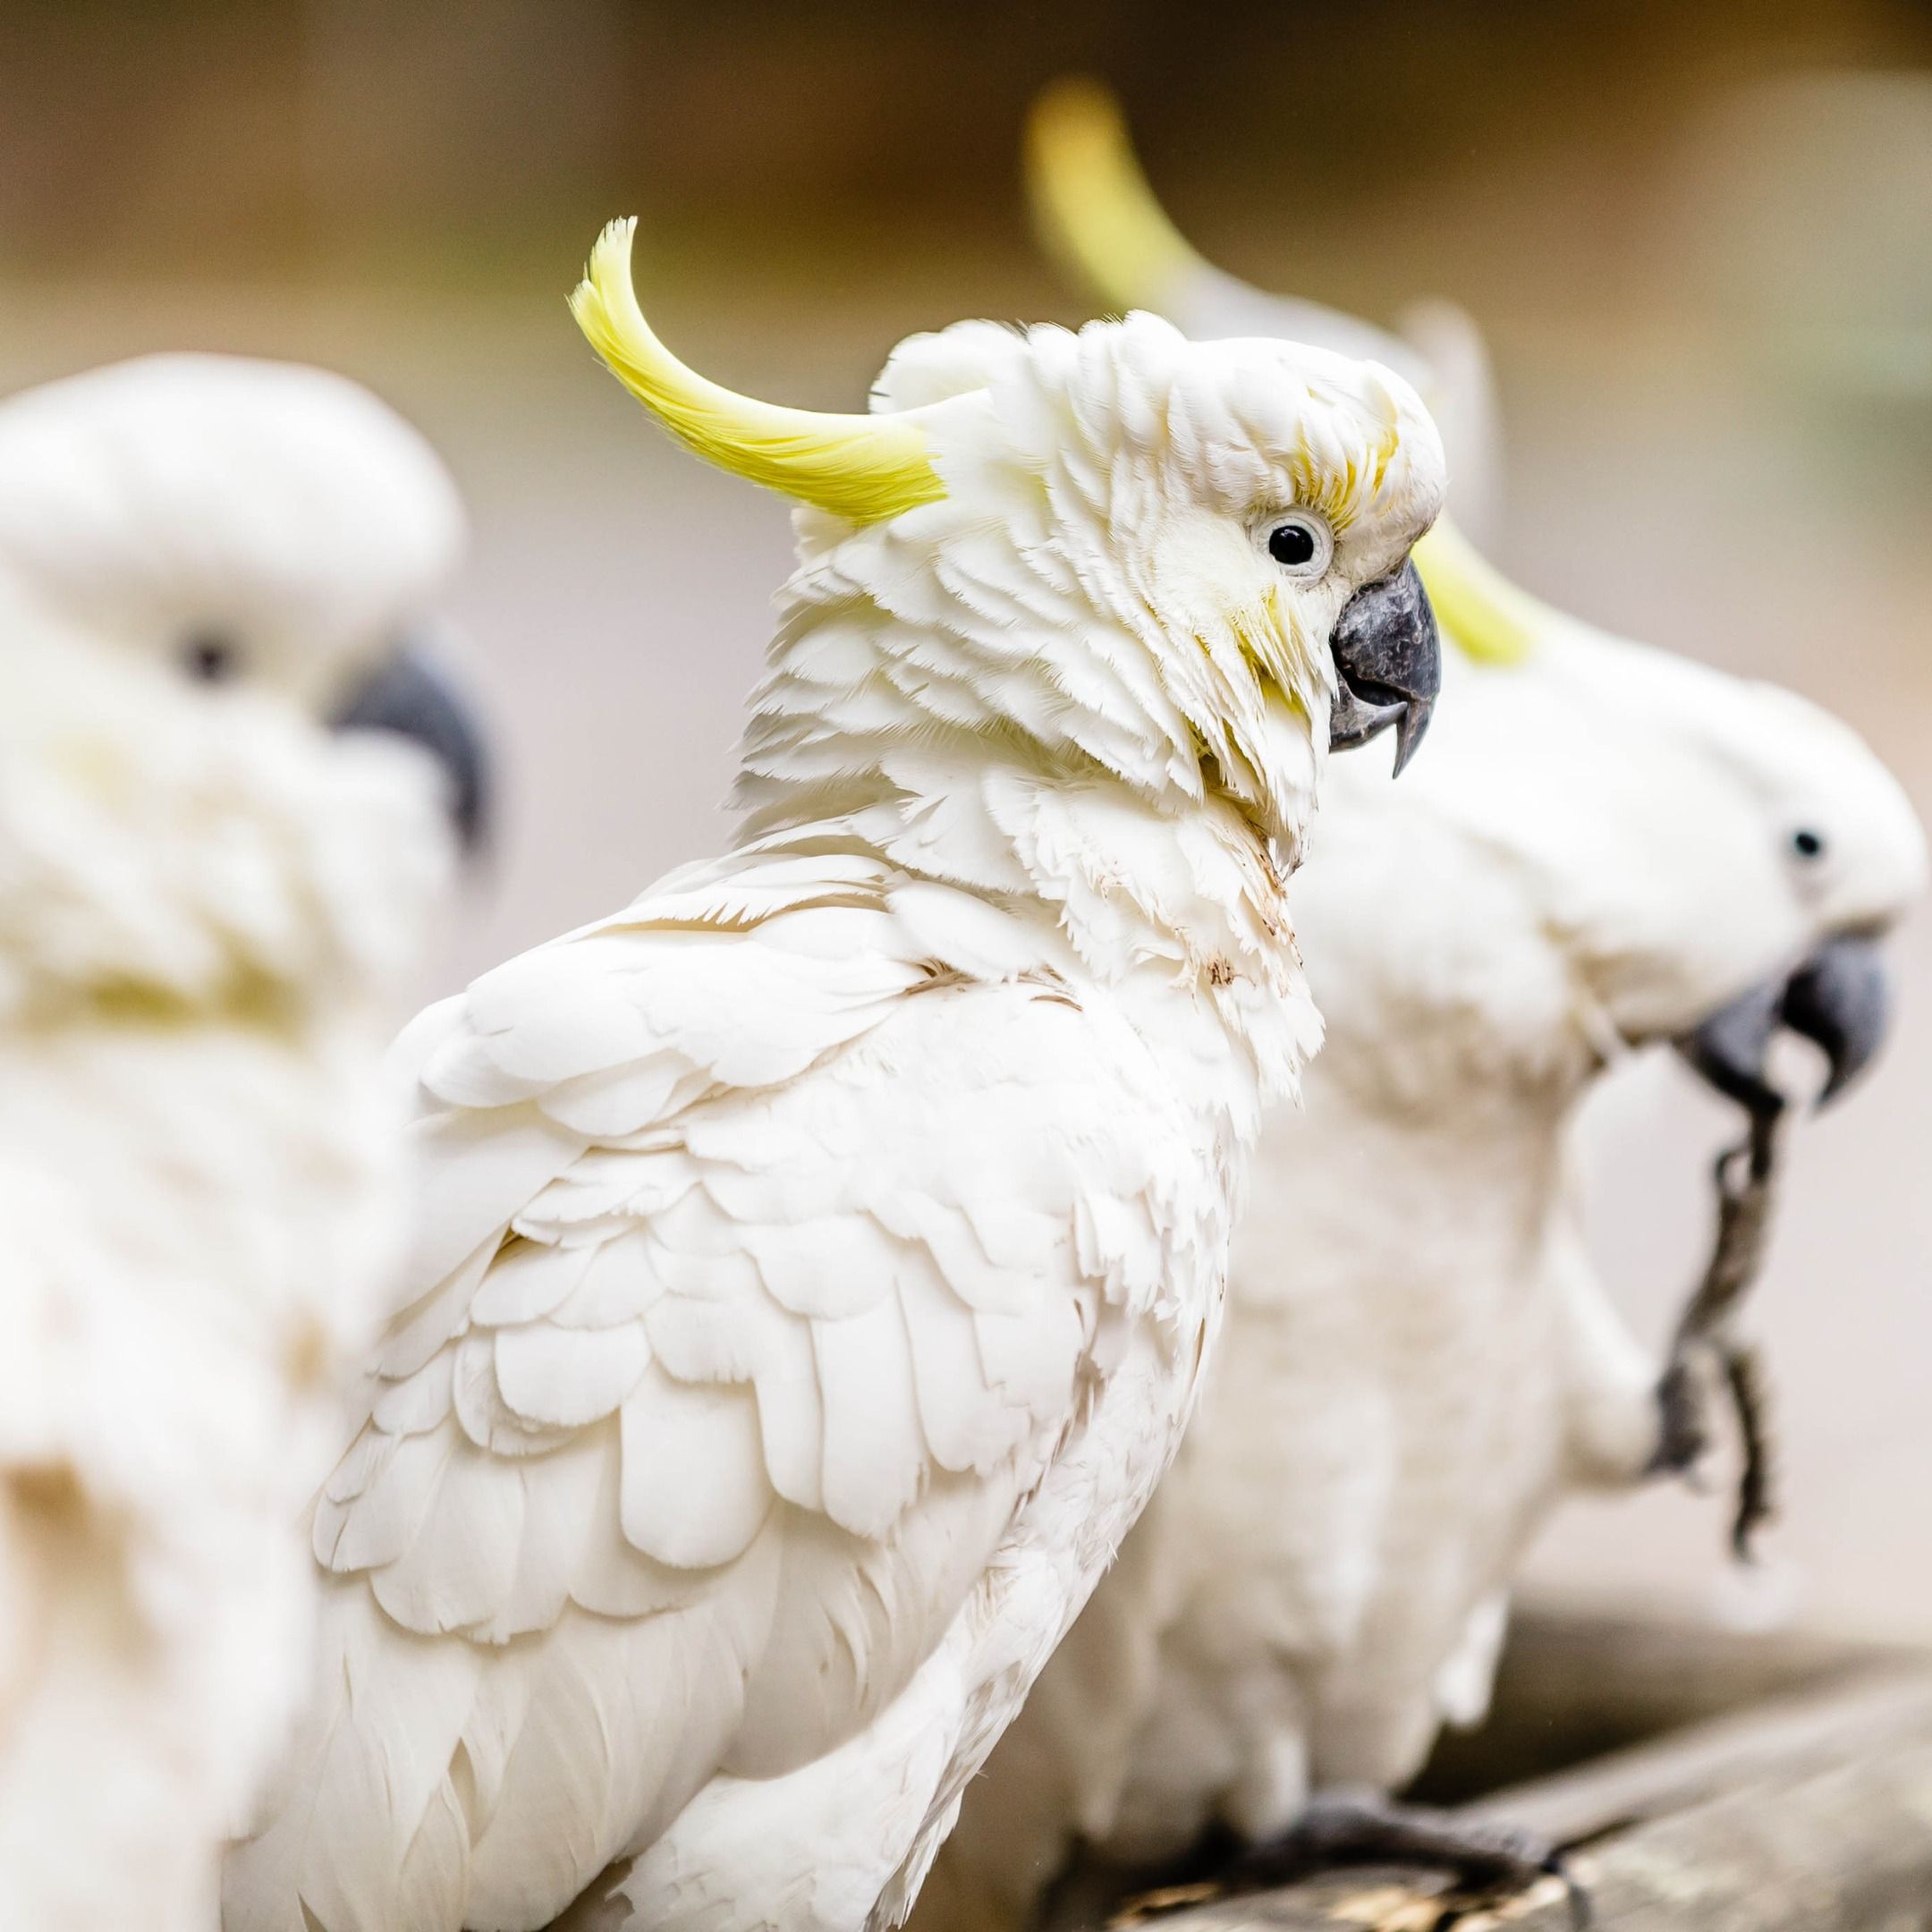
<point>1682,1438</point>
<point>1743,1176</point>
<point>1583,1915</point>
<point>1757,1500</point>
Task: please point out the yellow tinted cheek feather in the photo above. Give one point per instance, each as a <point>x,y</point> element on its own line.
<point>96,768</point>
<point>865,469</point>
<point>1271,643</point>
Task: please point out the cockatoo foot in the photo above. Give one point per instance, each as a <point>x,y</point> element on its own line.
<point>1364,1827</point>
<point>1684,1433</point>
<point>1706,1351</point>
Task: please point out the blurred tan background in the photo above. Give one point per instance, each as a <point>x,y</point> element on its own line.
<point>1701,240</point>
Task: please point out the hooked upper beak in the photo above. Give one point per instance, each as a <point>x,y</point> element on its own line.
<point>1388,662</point>
<point>408,696</point>
<point>1840,998</point>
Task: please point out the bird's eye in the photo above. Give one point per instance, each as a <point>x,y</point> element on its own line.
<point>1807,843</point>
<point>1292,544</point>
<point>211,658</point>
<point>1301,545</point>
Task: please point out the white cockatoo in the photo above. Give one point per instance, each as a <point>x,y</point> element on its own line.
<point>1607,844</point>
<point>821,1253</point>
<point>206,903</point>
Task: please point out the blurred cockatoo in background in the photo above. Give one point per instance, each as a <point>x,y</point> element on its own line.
<point>1607,844</point>
<point>264,523</point>
<point>207,901</point>
<point>820,1255</point>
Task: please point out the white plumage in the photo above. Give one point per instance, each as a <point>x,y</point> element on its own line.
<point>819,1256</point>
<point>1420,1360</point>
<point>205,903</point>
<point>175,498</point>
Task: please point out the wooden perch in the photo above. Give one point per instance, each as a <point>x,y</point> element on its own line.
<point>1809,1813</point>
<point>1574,1687</point>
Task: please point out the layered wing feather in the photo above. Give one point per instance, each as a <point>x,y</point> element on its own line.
<point>764,1258</point>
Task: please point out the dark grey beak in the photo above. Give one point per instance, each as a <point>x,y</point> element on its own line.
<point>409,696</point>
<point>1840,999</point>
<point>1389,662</point>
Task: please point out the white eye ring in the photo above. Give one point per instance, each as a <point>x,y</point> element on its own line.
<point>1301,543</point>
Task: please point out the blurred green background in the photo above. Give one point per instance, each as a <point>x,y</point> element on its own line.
<point>1697,239</point>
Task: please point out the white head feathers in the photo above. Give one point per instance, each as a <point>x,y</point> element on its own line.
<point>1073,563</point>
<point>202,559</point>
<point>279,511</point>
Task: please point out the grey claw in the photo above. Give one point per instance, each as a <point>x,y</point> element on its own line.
<point>1682,1438</point>
<point>1353,1828</point>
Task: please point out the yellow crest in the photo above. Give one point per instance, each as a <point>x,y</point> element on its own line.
<point>1093,203</point>
<point>865,469</point>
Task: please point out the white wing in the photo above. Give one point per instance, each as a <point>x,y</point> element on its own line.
<point>761,1276</point>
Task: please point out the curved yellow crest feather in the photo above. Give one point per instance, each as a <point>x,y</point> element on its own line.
<point>862,468</point>
<point>1093,202</point>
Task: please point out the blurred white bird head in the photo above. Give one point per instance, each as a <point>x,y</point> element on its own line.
<point>1183,561</point>
<point>244,524</point>
<point>1719,856</point>
<point>215,577</point>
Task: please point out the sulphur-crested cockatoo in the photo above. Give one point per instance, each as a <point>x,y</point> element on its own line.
<point>1607,843</point>
<point>821,1253</point>
<point>204,900</point>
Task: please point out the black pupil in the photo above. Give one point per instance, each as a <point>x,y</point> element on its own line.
<point>1807,844</point>
<point>213,659</point>
<point>1292,543</point>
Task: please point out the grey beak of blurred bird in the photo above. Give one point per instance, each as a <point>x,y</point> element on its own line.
<point>1388,664</point>
<point>1840,999</point>
<point>407,695</point>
